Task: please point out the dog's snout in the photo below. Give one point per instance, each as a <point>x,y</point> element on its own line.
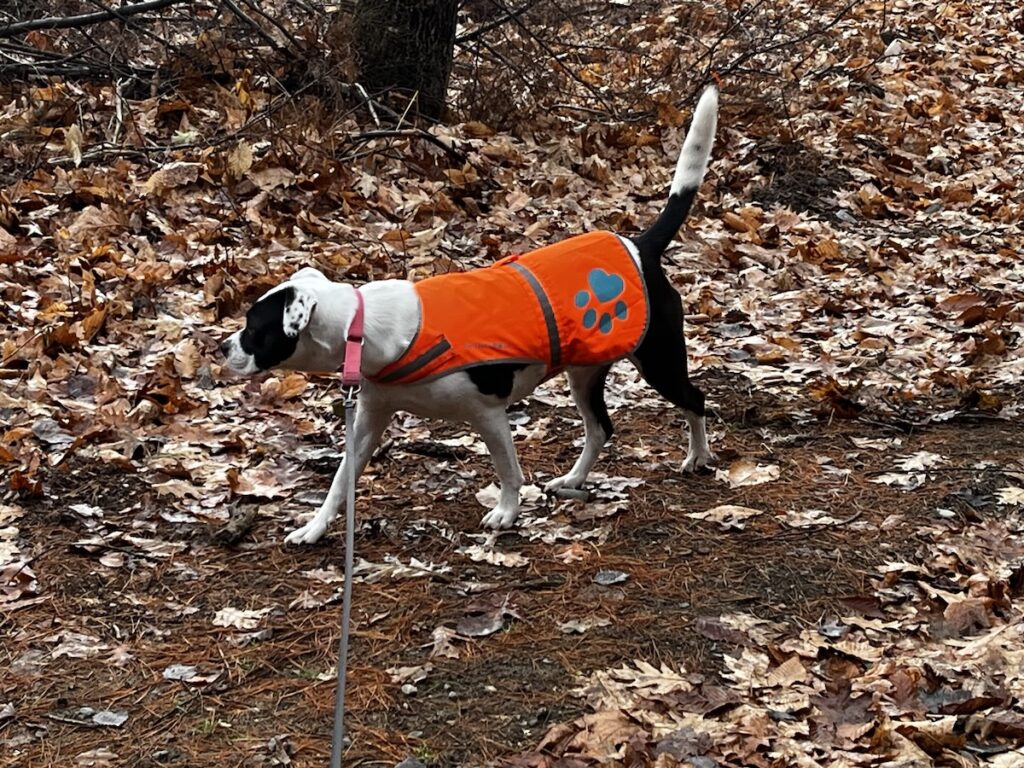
<point>225,347</point>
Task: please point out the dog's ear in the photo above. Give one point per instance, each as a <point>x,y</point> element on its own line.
<point>309,273</point>
<point>298,310</point>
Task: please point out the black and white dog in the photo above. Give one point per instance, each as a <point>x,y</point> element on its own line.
<point>302,325</point>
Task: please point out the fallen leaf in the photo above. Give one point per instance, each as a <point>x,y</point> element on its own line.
<point>232,617</point>
<point>175,174</point>
<point>1011,495</point>
<point>729,516</point>
<point>443,646</point>
<point>579,626</point>
<point>486,617</point>
<point>743,473</point>
<point>484,554</point>
<point>101,757</point>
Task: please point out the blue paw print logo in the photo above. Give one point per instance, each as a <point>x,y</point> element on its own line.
<point>605,288</point>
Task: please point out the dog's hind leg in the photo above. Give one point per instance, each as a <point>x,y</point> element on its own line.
<point>671,382</point>
<point>370,423</point>
<point>587,386</point>
<point>661,360</point>
<point>492,424</point>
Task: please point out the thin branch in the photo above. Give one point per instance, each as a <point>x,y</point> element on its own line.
<point>411,133</point>
<point>507,17</point>
<point>369,103</point>
<point>86,19</point>
<point>140,28</point>
<point>579,108</point>
<point>280,27</point>
<point>500,58</point>
<point>105,72</point>
<point>260,32</point>
<point>554,57</point>
<point>374,105</point>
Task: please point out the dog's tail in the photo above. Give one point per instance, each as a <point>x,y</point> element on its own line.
<point>690,169</point>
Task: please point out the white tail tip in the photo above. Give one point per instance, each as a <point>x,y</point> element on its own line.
<point>696,152</point>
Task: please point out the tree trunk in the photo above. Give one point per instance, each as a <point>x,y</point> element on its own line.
<point>406,45</point>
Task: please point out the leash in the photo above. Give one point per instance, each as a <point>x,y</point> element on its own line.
<point>350,381</point>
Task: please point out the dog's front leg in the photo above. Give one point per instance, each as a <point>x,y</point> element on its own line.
<point>493,426</point>
<point>370,422</point>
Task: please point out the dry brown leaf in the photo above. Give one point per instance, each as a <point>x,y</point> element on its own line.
<point>789,672</point>
<point>240,160</point>
<point>73,143</point>
<point>745,472</point>
<point>171,176</point>
<point>729,516</point>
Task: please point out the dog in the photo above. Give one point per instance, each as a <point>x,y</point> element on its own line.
<point>302,325</point>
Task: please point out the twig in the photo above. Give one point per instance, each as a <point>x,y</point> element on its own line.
<point>500,59</point>
<point>244,17</point>
<point>140,28</point>
<point>509,16</point>
<point>109,150</point>
<point>118,110</point>
<point>369,103</point>
<point>740,60</point>
<point>86,19</point>
<point>578,108</point>
<point>411,133</point>
<point>105,72</point>
<point>554,57</point>
<point>280,28</point>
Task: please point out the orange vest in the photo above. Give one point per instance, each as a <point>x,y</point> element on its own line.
<point>579,302</point>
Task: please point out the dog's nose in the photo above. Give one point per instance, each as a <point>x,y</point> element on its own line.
<point>225,347</point>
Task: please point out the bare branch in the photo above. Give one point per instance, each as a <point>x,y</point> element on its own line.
<point>240,14</point>
<point>85,19</point>
<point>412,133</point>
<point>504,18</point>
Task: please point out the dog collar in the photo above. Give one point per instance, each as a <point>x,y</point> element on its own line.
<point>350,371</point>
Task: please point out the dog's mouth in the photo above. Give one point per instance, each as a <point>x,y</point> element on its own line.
<point>242,369</point>
<point>236,359</point>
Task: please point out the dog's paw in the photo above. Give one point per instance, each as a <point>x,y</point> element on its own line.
<point>567,487</point>
<point>697,461</point>
<point>569,482</point>
<point>310,533</point>
<point>500,517</point>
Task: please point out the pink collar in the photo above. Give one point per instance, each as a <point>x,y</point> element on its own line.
<point>350,374</point>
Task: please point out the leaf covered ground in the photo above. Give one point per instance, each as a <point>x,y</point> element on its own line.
<point>844,590</point>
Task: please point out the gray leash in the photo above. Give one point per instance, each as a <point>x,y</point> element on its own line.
<point>338,736</point>
<point>351,378</point>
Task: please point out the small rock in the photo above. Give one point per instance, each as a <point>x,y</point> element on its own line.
<point>833,631</point>
<point>409,689</point>
<point>607,578</point>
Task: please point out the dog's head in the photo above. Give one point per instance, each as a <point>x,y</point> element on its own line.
<point>299,325</point>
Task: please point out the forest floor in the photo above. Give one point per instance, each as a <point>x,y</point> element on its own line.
<point>843,588</point>
<point>133,597</point>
